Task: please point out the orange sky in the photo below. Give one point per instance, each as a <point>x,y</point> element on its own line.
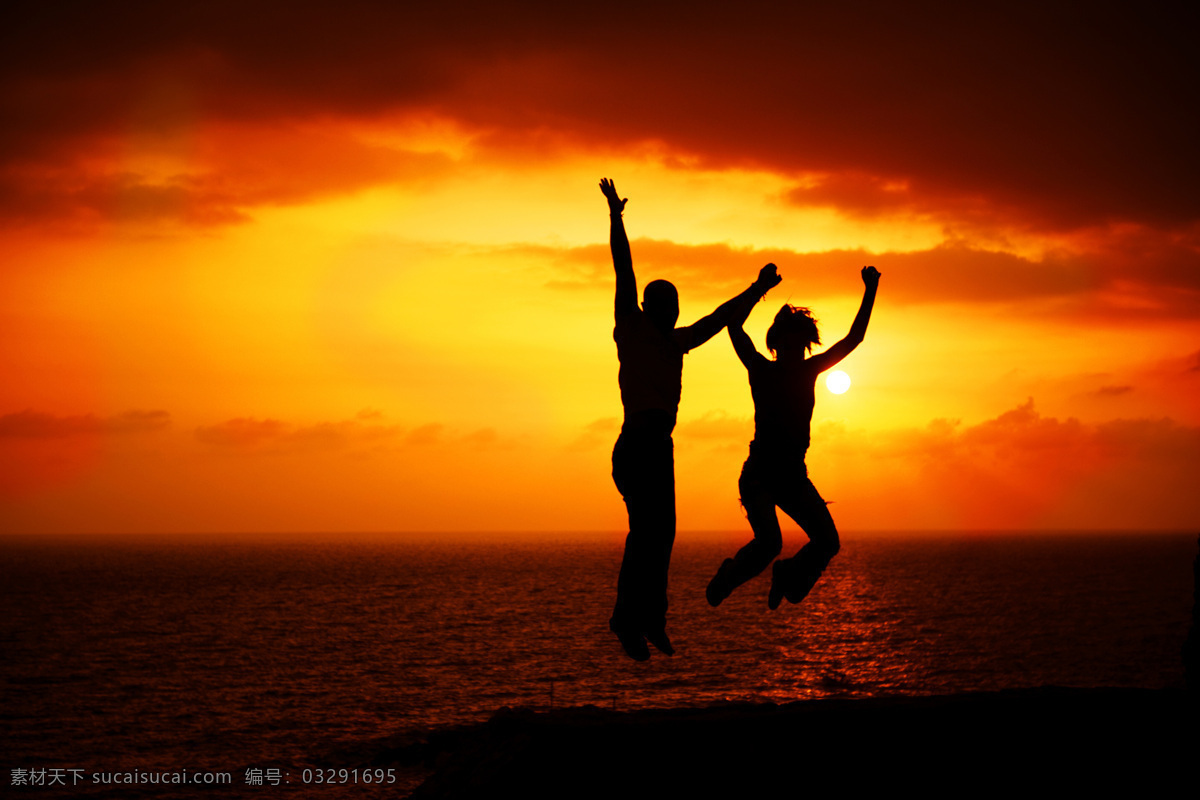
<point>345,268</point>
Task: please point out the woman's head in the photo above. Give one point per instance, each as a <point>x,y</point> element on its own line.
<point>794,329</point>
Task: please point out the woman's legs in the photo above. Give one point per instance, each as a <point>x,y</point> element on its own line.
<point>766,545</point>
<point>795,577</point>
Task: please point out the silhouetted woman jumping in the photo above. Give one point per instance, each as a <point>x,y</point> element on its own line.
<point>784,392</point>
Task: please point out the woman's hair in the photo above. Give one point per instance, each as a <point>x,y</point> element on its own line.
<point>793,321</point>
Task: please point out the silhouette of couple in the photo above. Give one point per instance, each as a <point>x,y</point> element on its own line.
<point>650,350</point>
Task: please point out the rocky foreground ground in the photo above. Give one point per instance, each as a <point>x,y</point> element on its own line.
<point>1038,741</point>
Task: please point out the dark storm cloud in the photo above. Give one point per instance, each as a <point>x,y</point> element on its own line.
<point>1070,114</point>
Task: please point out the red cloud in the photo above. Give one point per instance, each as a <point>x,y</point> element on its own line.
<point>242,432</point>
<point>225,172</point>
<point>1067,116</point>
<point>29,424</point>
<point>365,431</point>
<point>1166,282</point>
<point>1021,470</point>
<point>248,433</point>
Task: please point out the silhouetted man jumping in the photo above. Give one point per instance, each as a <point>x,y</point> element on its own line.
<point>651,349</point>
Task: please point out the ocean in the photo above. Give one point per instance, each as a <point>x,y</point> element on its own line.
<point>153,653</point>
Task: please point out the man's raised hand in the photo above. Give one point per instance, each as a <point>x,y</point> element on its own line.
<point>768,277</point>
<point>615,204</point>
<point>870,276</point>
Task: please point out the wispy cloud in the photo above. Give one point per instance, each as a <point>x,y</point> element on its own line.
<point>1020,468</point>
<point>366,431</point>
<point>29,424</point>
<point>1107,283</point>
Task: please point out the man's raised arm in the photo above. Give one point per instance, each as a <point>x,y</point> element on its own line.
<point>626,298</point>
<point>737,309</point>
<point>742,345</point>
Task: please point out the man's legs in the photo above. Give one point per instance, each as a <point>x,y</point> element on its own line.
<point>644,471</point>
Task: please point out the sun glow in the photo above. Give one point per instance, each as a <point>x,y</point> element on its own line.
<point>837,381</point>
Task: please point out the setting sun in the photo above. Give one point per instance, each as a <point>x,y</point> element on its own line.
<point>837,381</point>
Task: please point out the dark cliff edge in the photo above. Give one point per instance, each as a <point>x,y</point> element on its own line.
<point>1043,739</point>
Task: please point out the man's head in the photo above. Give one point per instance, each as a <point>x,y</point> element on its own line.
<point>794,329</point>
<point>660,301</point>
